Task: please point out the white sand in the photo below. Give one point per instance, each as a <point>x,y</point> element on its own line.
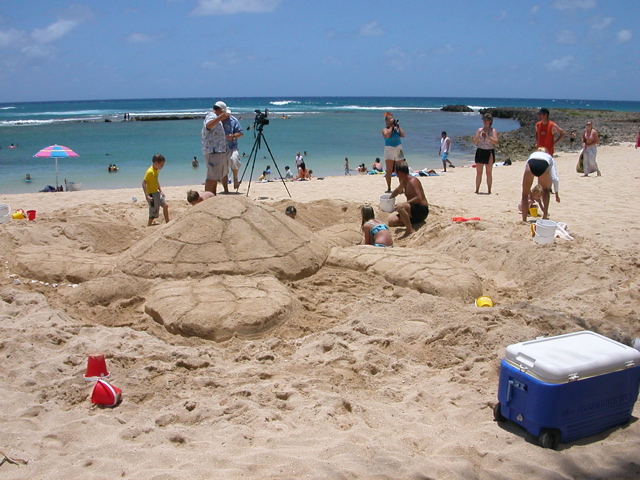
<point>365,379</point>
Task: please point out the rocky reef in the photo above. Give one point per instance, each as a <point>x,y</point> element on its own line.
<point>613,128</point>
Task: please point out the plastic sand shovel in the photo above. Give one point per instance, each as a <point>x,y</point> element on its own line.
<point>462,219</point>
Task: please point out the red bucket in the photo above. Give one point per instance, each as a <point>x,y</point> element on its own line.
<point>31,214</point>
<point>96,367</point>
<point>106,394</point>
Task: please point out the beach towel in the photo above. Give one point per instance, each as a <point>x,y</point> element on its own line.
<point>562,231</point>
<point>579,166</point>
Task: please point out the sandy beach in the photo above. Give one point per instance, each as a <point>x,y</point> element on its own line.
<point>250,345</point>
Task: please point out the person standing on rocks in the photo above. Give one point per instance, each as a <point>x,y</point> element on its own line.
<point>572,138</point>
<point>546,132</point>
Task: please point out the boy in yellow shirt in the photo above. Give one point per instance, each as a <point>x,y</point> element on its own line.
<point>152,190</point>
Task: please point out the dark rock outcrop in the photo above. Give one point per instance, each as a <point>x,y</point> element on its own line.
<point>613,127</point>
<point>456,108</point>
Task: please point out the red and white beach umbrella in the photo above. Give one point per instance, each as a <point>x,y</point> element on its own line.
<point>56,152</point>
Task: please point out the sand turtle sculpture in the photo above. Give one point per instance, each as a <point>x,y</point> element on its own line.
<point>220,269</point>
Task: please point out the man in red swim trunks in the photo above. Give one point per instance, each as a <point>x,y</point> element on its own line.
<point>546,132</point>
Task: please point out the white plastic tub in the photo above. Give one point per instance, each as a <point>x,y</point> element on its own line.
<point>545,231</point>
<point>387,204</point>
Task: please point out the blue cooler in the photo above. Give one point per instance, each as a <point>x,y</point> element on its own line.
<point>568,387</point>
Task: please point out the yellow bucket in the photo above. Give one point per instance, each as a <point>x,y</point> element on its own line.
<point>484,302</point>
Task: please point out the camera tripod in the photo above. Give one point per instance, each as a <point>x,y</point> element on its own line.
<point>258,126</point>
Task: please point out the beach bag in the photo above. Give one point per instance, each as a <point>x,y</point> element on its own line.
<point>580,166</point>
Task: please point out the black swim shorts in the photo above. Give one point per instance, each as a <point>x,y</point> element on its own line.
<point>484,156</point>
<point>419,213</point>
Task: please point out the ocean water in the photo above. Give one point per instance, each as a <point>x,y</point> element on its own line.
<point>327,128</point>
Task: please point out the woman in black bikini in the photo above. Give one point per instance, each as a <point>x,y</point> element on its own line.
<point>486,138</point>
<point>540,164</point>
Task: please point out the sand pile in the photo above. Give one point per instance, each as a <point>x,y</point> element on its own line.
<point>347,362</point>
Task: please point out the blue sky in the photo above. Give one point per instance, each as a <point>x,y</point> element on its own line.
<point>77,50</point>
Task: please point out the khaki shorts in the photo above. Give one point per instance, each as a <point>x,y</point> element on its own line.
<point>216,165</point>
<point>234,160</point>
<point>394,153</point>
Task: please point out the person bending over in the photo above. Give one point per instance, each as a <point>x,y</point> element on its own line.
<point>541,165</point>
<point>416,208</point>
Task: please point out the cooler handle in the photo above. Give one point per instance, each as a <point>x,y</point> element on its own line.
<point>513,383</point>
<point>525,360</point>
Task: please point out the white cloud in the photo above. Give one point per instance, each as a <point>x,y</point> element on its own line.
<point>371,29</point>
<point>397,59</point>
<point>573,4</point>
<point>534,10</point>
<point>445,49</point>
<point>600,23</point>
<point>624,36</point>
<point>229,7</point>
<point>566,37</point>
<point>10,37</point>
<point>53,32</point>
<point>560,64</point>
<point>139,38</point>
<point>503,16</point>
<point>35,51</point>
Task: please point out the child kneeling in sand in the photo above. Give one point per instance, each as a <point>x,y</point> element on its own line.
<point>194,197</point>
<point>376,233</point>
<point>534,198</point>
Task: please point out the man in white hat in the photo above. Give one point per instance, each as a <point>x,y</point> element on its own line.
<point>214,146</point>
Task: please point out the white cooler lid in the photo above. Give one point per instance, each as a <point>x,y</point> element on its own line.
<point>571,356</point>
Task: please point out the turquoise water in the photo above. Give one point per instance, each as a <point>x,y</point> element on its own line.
<point>327,128</point>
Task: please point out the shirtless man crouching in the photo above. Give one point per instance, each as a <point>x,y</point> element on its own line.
<point>416,208</point>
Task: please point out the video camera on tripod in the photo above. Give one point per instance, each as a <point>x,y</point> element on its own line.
<point>258,123</point>
<point>261,118</point>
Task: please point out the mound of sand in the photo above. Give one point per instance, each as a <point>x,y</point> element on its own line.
<point>227,235</point>
<point>375,366</point>
<point>217,308</point>
<point>418,269</point>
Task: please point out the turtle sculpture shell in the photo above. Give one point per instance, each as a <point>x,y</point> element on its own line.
<point>230,235</point>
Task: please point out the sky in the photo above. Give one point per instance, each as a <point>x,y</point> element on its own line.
<point>122,49</point>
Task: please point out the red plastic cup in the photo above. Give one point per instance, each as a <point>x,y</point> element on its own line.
<point>31,214</point>
<point>106,394</point>
<point>96,367</point>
